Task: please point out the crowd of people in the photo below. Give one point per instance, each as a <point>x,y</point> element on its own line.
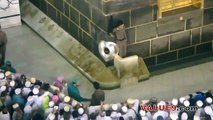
<point>27,98</point>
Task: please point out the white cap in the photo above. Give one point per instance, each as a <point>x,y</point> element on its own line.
<point>30,98</point>
<point>80,111</point>
<point>181,99</point>
<point>199,103</point>
<point>66,108</point>
<point>27,83</point>
<point>209,100</point>
<point>3,88</point>
<point>2,76</point>
<point>32,80</point>
<point>17,91</point>
<point>186,103</point>
<point>174,101</point>
<point>184,116</point>
<point>66,99</point>
<point>161,103</point>
<point>173,115</point>
<point>74,103</point>
<point>130,101</point>
<point>106,106</point>
<point>114,107</point>
<point>51,104</point>
<point>208,110</point>
<point>124,109</point>
<point>35,91</point>
<point>51,116</point>
<point>15,106</point>
<point>12,83</point>
<point>142,112</point>
<point>8,73</point>
<point>28,109</point>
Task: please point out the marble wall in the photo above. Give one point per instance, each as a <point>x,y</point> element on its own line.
<point>179,34</point>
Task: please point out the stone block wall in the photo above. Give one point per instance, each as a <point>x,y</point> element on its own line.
<point>177,35</point>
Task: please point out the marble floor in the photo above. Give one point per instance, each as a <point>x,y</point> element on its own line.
<point>34,57</point>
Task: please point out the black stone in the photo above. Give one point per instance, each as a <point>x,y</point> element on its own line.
<point>99,19</point>
<point>66,9</point>
<point>207,33</point>
<point>208,16</point>
<point>130,35</point>
<point>140,49</point>
<point>74,15</point>
<point>65,23</point>
<point>122,16</point>
<point>150,61</point>
<point>208,3</point>
<point>73,30</point>
<point>203,48</point>
<point>141,15</point>
<point>159,45</point>
<point>146,31</point>
<point>195,36</point>
<point>187,52</point>
<point>83,7</point>
<point>180,40</point>
<point>85,24</point>
<point>167,57</point>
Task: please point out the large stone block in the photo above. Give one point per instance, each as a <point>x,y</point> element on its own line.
<point>65,23</point>
<point>88,42</point>
<point>180,40</point>
<point>146,31</point>
<point>83,7</point>
<point>96,3</point>
<point>195,36</point>
<point>207,33</point>
<point>130,35</point>
<point>99,34</point>
<point>74,30</point>
<point>59,5</point>
<point>140,49</point>
<point>112,6</point>
<point>100,19</point>
<point>170,27</point>
<point>208,3</point>
<point>51,12</point>
<point>203,48</point>
<point>66,9</point>
<point>85,24</point>
<point>141,15</point>
<point>124,16</point>
<point>150,61</point>
<point>187,52</point>
<point>208,16</point>
<point>43,6</point>
<point>195,21</point>
<point>155,12</point>
<point>159,45</point>
<point>74,15</point>
<point>167,57</point>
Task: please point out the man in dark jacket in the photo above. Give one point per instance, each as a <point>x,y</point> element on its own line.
<point>98,96</point>
<point>3,43</point>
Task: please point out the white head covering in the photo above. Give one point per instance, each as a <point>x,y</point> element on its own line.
<point>142,113</point>
<point>186,103</point>
<point>66,99</point>
<point>74,103</point>
<point>15,106</point>
<point>51,116</point>
<point>12,83</point>
<point>28,109</point>
<point>17,91</point>
<point>124,109</point>
<point>182,99</point>
<point>51,104</point>
<point>199,103</point>
<point>30,99</point>
<point>209,100</point>
<point>66,108</point>
<point>35,91</point>
<point>130,101</point>
<point>32,80</point>
<point>27,84</point>
<point>80,111</point>
<point>161,103</point>
<point>2,76</point>
<point>114,107</point>
<point>184,116</point>
<point>8,73</point>
<point>106,106</point>
<point>3,88</point>
<point>173,115</point>
<point>208,110</point>
<point>174,101</point>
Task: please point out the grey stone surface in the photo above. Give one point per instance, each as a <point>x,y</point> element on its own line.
<point>69,1</point>
<point>155,12</point>
<point>146,31</point>
<point>59,4</point>
<point>208,3</point>
<point>51,12</point>
<point>99,19</point>
<point>150,61</point>
<point>85,24</point>
<point>66,9</point>
<point>170,27</point>
<point>73,30</point>
<point>180,40</point>
<point>141,49</point>
<point>207,33</point>
<point>74,15</point>
<point>195,36</point>
<point>208,16</point>
<point>195,21</point>
<point>65,23</point>
<point>167,57</point>
<point>96,3</point>
<point>122,16</point>
<point>141,15</point>
<point>43,6</point>
<point>83,7</point>
<point>130,35</point>
<point>160,45</point>
<point>203,48</point>
<point>187,52</point>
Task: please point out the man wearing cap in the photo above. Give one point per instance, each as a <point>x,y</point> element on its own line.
<point>8,67</point>
<point>98,96</point>
<point>17,114</point>
<point>18,98</point>
<point>133,105</point>
<point>59,82</point>
<point>3,43</point>
<point>4,114</point>
<point>74,92</point>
